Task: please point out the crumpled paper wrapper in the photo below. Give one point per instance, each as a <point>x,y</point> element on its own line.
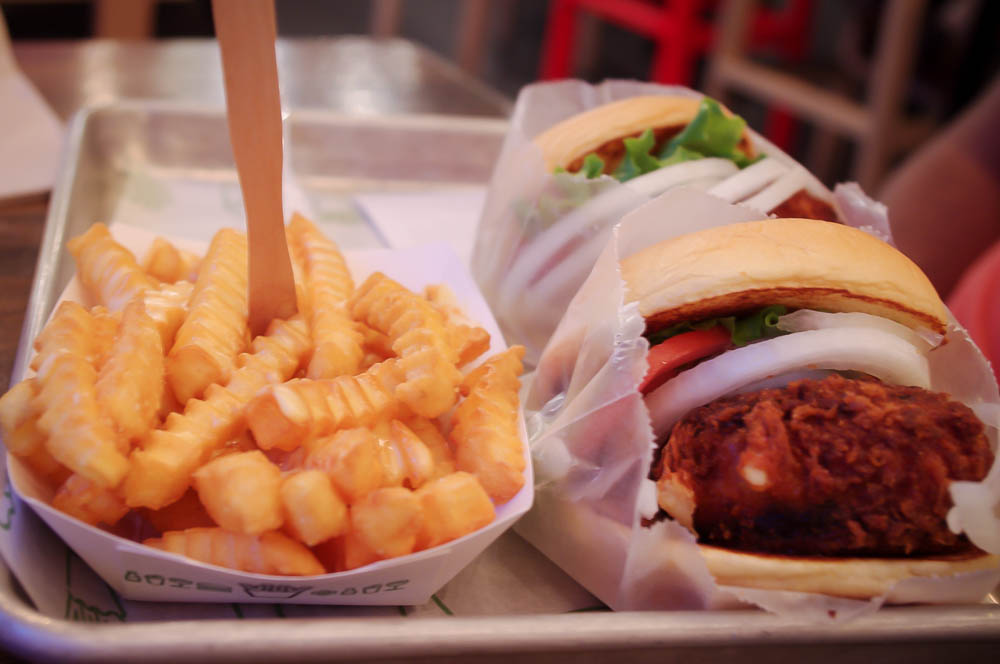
<point>513,245</point>
<point>593,445</point>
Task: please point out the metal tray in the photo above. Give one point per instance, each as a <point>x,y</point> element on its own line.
<point>335,156</point>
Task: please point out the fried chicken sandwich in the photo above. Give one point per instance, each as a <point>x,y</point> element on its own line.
<point>800,437</point>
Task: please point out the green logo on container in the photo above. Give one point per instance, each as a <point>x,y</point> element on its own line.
<point>78,610</point>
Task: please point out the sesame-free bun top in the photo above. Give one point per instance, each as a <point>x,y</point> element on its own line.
<point>569,141</point>
<point>799,263</point>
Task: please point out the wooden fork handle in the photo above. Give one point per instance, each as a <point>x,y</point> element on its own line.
<point>246,32</point>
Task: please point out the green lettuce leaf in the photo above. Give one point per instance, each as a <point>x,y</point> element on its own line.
<point>745,328</point>
<point>593,166</point>
<point>711,133</point>
<point>638,159</point>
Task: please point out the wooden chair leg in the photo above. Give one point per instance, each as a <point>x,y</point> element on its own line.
<point>470,42</point>
<point>386,17</point>
<point>124,19</point>
<point>899,31</point>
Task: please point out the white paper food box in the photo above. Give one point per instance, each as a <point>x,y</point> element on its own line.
<point>143,573</point>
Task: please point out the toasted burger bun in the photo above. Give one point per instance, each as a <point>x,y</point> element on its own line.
<point>602,129</point>
<point>745,266</point>
<point>857,578</point>
<point>777,261</point>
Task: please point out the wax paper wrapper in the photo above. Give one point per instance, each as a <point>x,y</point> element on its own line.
<point>138,572</point>
<point>540,233</point>
<point>593,446</point>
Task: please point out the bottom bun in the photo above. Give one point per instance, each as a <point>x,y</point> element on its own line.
<point>855,578</point>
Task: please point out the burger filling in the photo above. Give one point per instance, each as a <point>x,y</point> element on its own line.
<point>835,464</point>
<point>834,467</point>
<point>712,133</point>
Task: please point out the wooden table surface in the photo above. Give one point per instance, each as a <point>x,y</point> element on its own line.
<point>350,74</point>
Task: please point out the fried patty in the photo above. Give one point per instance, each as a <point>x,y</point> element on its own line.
<point>804,205</point>
<point>833,467</point>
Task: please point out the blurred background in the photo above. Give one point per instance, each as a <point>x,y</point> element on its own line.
<point>930,57</point>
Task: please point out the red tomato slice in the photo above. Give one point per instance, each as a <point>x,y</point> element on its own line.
<point>665,358</point>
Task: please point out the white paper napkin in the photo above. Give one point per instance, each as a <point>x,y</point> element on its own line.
<point>410,219</point>
<point>30,133</point>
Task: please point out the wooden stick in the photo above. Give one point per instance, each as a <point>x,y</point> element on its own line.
<point>246,32</point>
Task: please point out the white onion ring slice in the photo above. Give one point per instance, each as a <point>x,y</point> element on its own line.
<point>668,177</point>
<point>749,181</point>
<point>873,352</point>
<point>809,319</point>
<point>778,191</point>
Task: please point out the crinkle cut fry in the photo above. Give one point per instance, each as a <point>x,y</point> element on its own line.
<point>21,435</point>
<point>298,275</point>
<point>167,263</point>
<point>268,553</point>
<point>405,456</point>
<point>338,342</point>
<point>81,498</point>
<point>417,332</point>
<point>108,271</point>
<point>215,330</point>
<point>284,416</point>
<point>168,307</point>
<point>77,434</point>
<point>469,340</point>
<point>19,417</point>
<point>130,382</point>
<point>104,328</point>
<point>161,471</point>
<point>485,426</point>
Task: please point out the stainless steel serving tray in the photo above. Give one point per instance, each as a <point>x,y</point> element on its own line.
<point>337,156</point>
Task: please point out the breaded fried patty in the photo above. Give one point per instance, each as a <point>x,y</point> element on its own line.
<point>835,467</point>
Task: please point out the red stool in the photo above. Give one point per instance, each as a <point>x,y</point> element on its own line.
<point>682,34</point>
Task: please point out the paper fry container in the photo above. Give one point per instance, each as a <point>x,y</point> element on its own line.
<point>143,573</point>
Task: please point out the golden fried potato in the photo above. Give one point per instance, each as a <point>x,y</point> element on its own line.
<point>215,330</point>
<point>108,271</point>
<point>77,435</point>
<point>407,453</point>
<point>88,502</point>
<point>485,426</point>
<point>328,286</point>
<point>130,384</point>
<point>284,416</point>
<point>453,506</point>
<point>387,521</point>
<point>417,332</point>
<point>168,307</point>
<point>468,339</point>
<point>439,447</point>
<point>314,512</point>
<point>241,492</point>
<point>351,459</point>
<point>161,471</point>
<point>19,418</point>
<point>268,553</point>
<point>182,514</point>
<point>165,262</point>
